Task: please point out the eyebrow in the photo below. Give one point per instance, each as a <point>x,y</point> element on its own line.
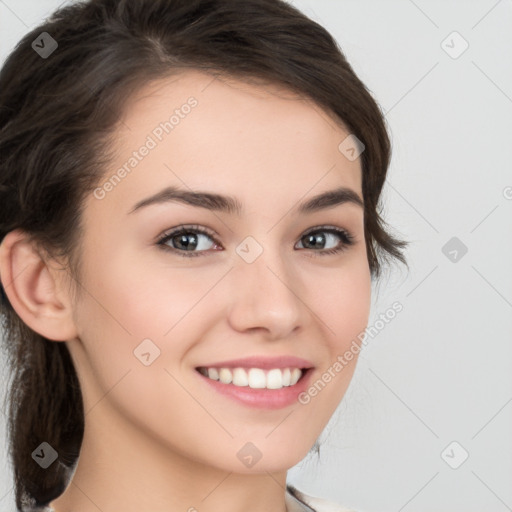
<point>231,205</point>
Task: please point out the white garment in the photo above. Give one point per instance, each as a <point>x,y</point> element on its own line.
<point>297,501</point>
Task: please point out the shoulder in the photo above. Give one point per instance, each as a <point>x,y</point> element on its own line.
<point>298,501</point>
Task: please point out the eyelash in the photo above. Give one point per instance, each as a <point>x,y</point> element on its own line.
<point>346,237</point>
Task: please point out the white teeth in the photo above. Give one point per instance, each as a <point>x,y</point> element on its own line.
<point>295,376</point>
<point>213,373</point>
<point>255,378</point>
<point>240,377</point>
<point>225,376</point>
<point>286,376</point>
<point>275,379</point>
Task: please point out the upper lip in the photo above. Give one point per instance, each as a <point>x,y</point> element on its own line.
<point>266,363</point>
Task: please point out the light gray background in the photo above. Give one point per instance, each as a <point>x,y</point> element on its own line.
<point>441,371</point>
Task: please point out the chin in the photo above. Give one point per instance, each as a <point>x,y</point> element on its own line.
<point>269,458</point>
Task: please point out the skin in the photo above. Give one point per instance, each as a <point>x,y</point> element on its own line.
<point>157,437</point>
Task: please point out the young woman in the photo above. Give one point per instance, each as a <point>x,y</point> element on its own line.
<point>190,229</point>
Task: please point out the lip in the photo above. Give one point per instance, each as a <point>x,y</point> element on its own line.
<point>262,398</point>
<point>265,363</point>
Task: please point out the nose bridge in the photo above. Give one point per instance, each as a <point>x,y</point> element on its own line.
<point>260,259</point>
<point>265,292</point>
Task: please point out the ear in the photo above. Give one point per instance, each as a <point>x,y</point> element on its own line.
<point>35,289</point>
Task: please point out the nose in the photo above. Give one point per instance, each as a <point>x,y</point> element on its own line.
<point>265,295</point>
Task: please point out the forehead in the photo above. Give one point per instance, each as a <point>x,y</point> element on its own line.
<point>231,137</point>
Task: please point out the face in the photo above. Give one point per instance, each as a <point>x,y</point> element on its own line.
<point>177,292</point>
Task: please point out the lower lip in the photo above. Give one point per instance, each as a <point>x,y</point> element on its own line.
<point>262,398</point>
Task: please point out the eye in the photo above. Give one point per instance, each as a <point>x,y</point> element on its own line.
<point>188,240</point>
<point>184,239</point>
<point>316,237</point>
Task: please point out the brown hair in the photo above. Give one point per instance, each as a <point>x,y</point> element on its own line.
<point>56,116</point>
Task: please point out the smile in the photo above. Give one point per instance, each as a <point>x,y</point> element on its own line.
<point>258,381</point>
<point>255,378</point>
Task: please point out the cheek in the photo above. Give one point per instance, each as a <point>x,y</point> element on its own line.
<point>344,312</point>
<point>124,315</point>
<point>143,298</point>
<point>344,308</point>
<point>135,302</point>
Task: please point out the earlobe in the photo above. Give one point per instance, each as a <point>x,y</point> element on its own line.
<point>33,289</point>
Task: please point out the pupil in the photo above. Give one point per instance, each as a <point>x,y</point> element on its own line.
<point>312,237</point>
<point>183,241</point>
